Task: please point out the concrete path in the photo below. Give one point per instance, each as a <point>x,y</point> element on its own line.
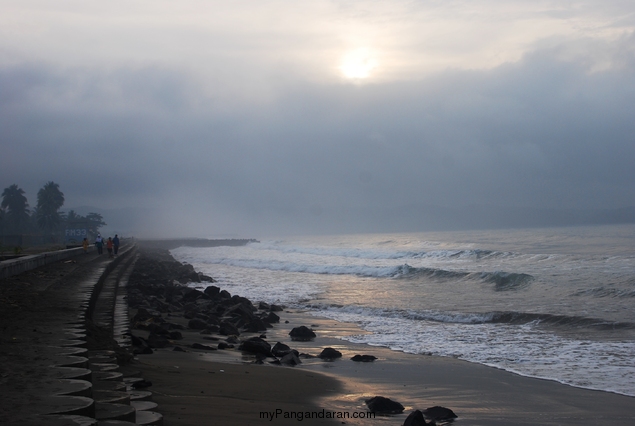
<point>58,323</point>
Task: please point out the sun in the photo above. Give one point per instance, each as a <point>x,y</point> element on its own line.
<point>358,64</point>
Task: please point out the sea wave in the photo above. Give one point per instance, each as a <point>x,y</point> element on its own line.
<point>503,281</point>
<point>603,291</point>
<point>495,317</point>
<point>381,253</point>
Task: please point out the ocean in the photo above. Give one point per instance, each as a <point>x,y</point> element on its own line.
<point>555,303</point>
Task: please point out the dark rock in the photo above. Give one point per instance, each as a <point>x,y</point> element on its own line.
<point>302,333</point>
<point>280,349</point>
<point>212,291</point>
<point>141,385</point>
<point>138,341</point>
<point>186,273</point>
<point>178,349</point>
<point>197,324</point>
<point>148,325</point>
<point>255,325</point>
<point>157,341</point>
<point>207,278</point>
<point>415,419</point>
<point>224,294</point>
<point>202,316</point>
<point>228,329</point>
<point>290,359</point>
<point>144,314</point>
<point>256,345</point>
<point>242,310</point>
<point>330,353</point>
<point>276,308</point>
<point>244,301</point>
<point>364,358</point>
<point>439,413</point>
<point>190,308</point>
<point>264,306</point>
<point>232,339</point>
<point>213,328</point>
<point>157,329</point>
<point>271,318</point>
<point>146,350</point>
<point>223,345</point>
<point>158,304</point>
<point>383,405</point>
<point>191,294</point>
<point>175,335</point>
<point>204,347</point>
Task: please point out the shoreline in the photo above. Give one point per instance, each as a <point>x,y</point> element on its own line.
<point>515,373</point>
<point>478,394</point>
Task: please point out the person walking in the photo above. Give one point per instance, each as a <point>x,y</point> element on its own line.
<point>99,242</point>
<point>109,246</point>
<point>115,244</point>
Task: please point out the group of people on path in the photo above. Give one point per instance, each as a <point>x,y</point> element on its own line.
<point>112,245</point>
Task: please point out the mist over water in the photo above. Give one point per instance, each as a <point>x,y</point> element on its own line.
<point>552,303</point>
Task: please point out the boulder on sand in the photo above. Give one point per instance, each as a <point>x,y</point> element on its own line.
<point>382,405</point>
<point>290,359</point>
<point>415,419</point>
<point>280,349</point>
<point>364,358</point>
<point>302,333</point>
<point>256,345</point>
<point>330,353</point>
<point>439,413</point>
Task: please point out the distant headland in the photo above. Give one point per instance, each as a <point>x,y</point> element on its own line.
<point>173,243</point>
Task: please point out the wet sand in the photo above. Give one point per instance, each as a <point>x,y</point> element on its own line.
<point>198,392</point>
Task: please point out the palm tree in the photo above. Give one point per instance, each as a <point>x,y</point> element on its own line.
<point>72,216</point>
<point>2,223</point>
<point>16,208</point>
<point>49,201</point>
<point>95,221</point>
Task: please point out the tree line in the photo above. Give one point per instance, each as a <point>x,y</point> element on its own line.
<point>46,219</point>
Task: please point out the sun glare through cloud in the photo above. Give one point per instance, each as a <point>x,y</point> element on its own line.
<point>358,64</point>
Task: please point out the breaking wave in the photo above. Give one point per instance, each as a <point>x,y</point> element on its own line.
<point>346,252</point>
<point>496,317</point>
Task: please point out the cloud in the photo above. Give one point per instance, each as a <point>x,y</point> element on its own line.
<point>235,135</point>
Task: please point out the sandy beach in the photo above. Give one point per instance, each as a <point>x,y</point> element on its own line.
<point>227,387</point>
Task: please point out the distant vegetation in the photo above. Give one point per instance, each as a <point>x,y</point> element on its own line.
<point>43,224</point>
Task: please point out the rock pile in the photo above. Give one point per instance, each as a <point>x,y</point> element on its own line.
<point>156,290</point>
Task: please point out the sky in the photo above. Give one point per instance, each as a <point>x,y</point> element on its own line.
<point>257,117</point>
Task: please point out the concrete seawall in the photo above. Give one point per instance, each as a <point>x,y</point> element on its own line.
<point>26,263</point>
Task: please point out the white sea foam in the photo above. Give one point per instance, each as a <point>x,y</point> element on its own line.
<point>524,350</point>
